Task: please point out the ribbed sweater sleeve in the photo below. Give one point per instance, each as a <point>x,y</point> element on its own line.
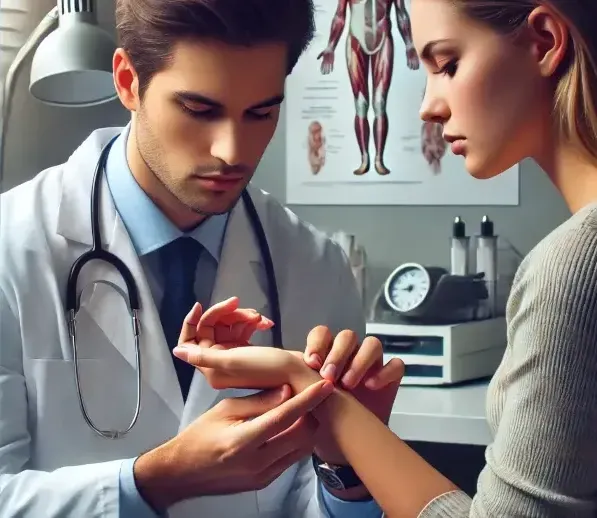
<point>542,401</point>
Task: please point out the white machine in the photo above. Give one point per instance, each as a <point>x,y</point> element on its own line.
<point>430,319</point>
<point>444,354</point>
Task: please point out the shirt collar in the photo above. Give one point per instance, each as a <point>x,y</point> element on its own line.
<point>147,226</point>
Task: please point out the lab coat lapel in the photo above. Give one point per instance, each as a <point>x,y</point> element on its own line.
<point>101,302</point>
<point>241,274</point>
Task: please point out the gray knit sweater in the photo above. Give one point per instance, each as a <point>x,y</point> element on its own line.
<point>542,401</point>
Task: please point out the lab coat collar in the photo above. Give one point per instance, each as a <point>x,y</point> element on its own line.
<point>239,274</point>
<point>76,187</point>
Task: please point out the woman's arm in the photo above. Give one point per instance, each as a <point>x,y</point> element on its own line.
<point>382,460</point>
<point>400,481</point>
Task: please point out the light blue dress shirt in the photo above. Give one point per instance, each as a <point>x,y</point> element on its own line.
<point>150,230</point>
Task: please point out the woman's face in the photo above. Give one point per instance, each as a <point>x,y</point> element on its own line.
<point>484,88</point>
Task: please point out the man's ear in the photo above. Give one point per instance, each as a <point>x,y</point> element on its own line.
<point>549,36</point>
<point>126,80</point>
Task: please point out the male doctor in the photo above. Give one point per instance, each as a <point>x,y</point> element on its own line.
<point>203,81</point>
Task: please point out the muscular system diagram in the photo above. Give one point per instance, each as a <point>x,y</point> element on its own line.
<point>370,51</point>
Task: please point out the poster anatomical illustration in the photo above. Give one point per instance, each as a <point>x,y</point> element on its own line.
<point>353,130</point>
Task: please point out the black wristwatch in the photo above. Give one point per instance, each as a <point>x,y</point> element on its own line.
<point>335,476</point>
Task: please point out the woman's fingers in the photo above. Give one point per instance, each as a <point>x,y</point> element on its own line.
<point>189,325</point>
<point>215,313</point>
<point>391,372</point>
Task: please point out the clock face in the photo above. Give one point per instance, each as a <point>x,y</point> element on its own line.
<point>408,287</point>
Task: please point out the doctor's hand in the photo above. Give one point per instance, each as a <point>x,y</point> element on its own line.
<point>241,444</point>
<point>358,369</point>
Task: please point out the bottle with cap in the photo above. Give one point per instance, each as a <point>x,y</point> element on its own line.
<point>459,248</point>
<point>487,262</point>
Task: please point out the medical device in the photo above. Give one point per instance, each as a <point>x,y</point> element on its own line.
<point>418,294</point>
<point>98,253</point>
<point>443,354</point>
<point>429,318</point>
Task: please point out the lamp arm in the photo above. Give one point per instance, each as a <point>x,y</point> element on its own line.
<point>39,33</point>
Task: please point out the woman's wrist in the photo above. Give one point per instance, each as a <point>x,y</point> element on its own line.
<point>300,375</point>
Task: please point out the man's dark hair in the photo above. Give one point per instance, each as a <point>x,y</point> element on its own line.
<point>149,29</point>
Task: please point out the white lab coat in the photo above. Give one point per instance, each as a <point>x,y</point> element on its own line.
<point>51,463</point>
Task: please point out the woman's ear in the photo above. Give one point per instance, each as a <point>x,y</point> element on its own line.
<point>549,37</point>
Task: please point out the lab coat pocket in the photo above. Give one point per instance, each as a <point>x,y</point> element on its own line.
<point>59,431</point>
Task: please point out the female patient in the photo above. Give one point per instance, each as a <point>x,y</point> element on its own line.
<point>507,79</point>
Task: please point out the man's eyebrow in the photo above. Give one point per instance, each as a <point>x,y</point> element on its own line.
<point>428,49</point>
<point>198,98</point>
<point>268,103</point>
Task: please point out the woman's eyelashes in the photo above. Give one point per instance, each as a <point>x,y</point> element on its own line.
<point>449,68</point>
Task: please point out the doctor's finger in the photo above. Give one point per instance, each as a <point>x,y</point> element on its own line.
<point>390,373</point>
<point>319,343</point>
<point>189,325</point>
<point>273,471</point>
<point>271,423</point>
<point>368,358</point>
<point>343,348</point>
<point>299,437</point>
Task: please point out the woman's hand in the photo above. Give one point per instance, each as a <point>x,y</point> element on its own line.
<point>249,367</point>
<point>223,325</point>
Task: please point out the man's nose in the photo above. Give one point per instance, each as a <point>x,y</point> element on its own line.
<point>228,143</point>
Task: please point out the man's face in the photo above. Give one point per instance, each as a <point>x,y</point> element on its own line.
<point>204,122</point>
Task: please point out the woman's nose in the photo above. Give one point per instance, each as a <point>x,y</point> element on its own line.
<point>434,109</point>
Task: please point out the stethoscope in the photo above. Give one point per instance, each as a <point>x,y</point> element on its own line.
<point>73,298</point>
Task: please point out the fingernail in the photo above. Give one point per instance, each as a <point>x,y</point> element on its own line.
<point>329,372</point>
<point>348,378</point>
<point>315,361</point>
<point>284,392</point>
<point>181,352</point>
<point>371,383</point>
<point>327,388</point>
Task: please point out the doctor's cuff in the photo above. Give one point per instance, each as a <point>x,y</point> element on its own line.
<point>337,508</point>
<point>131,501</point>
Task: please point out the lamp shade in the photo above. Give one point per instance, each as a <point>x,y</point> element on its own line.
<point>73,65</point>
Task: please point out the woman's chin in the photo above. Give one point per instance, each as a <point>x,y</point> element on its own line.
<point>482,169</point>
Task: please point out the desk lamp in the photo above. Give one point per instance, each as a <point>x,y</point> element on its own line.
<point>72,66</point>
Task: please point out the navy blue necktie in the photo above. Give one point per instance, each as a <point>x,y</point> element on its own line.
<point>179,266</point>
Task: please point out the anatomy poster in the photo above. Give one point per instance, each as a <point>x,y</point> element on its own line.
<point>353,131</point>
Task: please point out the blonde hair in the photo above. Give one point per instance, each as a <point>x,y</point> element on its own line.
<point>575,103</point>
